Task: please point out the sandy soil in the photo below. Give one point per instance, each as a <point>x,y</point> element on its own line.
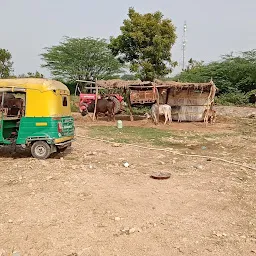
<point>85,202</point>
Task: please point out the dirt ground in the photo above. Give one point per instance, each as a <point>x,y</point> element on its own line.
<point>85,202</point>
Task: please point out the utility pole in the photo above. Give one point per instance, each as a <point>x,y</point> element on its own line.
<point>184,42</point>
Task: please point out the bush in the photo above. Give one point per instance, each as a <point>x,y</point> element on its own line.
<point>138,110</point>
<point>249,94</point>
<point>232,98</point>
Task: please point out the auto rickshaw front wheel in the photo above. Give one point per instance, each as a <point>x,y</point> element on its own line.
<point>40,150</point>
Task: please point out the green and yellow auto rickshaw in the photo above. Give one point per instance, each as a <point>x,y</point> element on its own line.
<point>36,113</point>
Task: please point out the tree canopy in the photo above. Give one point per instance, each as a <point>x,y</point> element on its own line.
<point>233,73</point>
<point>5,63</point>
<point>145,43</point>
<point>32,75</point>
<point>81,58</point>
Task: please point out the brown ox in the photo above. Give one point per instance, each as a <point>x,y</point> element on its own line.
<point>103,106</point>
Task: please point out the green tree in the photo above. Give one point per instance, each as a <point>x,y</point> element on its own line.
<point>128,77</point>
<point>5,63</point>
<point>145,43</point>
<point>231,74</point>
<point>194,64</point>
<point>31,74</point>
<point>81,58</point>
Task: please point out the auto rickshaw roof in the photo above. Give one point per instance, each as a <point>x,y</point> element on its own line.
<point>33,83</point>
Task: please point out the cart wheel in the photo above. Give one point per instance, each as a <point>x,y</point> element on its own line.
<point>40,150</point>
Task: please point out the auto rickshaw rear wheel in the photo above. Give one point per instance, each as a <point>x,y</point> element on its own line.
<point>40,150</point>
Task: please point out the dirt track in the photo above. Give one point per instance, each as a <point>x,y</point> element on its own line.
<point>87,203</point>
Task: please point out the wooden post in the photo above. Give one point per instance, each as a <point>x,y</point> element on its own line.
<point>128,92</point>
<point>96,100</point>
<point>157,102</point>
<point>210,102</point>
<point>76,89</point>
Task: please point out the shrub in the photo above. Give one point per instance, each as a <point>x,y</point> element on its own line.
<point>232,98</point>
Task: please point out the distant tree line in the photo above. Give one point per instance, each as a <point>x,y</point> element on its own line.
<point>233,74</point>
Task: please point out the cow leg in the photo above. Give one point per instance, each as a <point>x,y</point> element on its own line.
<point>179,119</point>
<point>166,118</point>
<point>110,115</point>
<point>206,117</point>
<point>154,117</point>
<point>211,120</point>
<point>113,115</point>
<point>155,121</point>
<point>170,117</point>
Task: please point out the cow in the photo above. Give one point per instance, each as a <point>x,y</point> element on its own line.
<point>164,109</point>
<point>103,106</point>
<point>209,116</point>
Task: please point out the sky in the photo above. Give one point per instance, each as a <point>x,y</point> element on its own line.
<point>214,27</point>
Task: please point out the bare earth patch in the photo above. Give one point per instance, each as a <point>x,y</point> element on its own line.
<point>85,202</point>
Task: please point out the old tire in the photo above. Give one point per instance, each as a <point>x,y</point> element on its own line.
<point>117,108</point>
<point>40,150</point>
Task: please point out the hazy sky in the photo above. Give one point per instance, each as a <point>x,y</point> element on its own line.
<point>214,27</point>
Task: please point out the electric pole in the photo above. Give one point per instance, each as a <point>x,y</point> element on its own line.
<point>184,42</point>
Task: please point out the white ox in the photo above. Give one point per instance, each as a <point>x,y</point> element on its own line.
<point>165,110</point>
